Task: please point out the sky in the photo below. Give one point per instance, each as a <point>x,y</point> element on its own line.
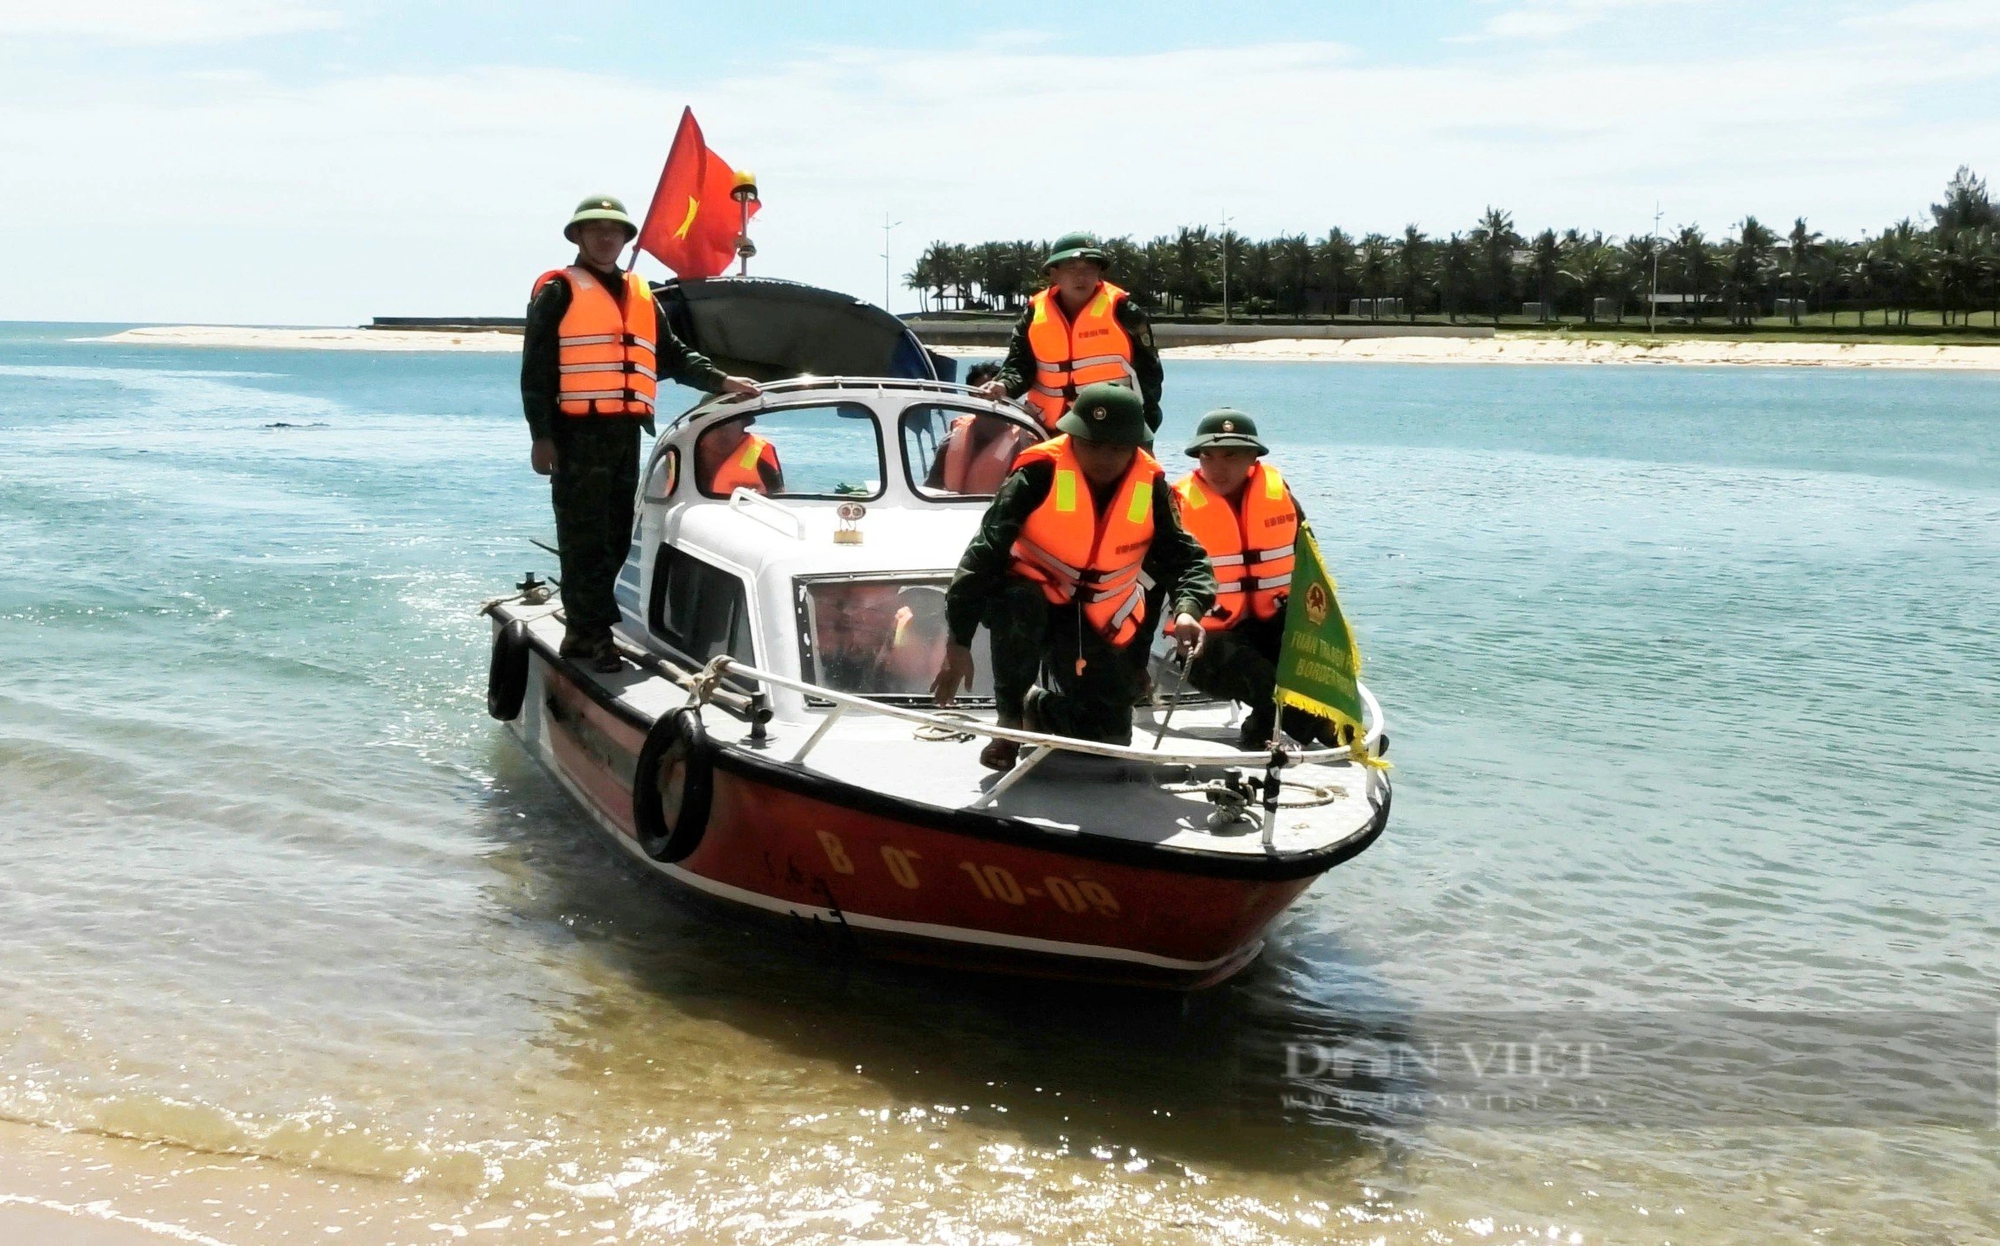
<point>325,161</point>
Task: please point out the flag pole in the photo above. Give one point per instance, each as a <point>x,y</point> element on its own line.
<point>1277,760</point>
<point>744,192</point>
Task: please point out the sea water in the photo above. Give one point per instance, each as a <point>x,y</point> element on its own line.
<point>1693,679</point>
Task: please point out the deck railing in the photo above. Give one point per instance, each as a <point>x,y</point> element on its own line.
<point>1040,744</point>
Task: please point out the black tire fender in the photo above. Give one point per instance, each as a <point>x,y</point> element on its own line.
<point>507,677</point>
<point>672,787</point>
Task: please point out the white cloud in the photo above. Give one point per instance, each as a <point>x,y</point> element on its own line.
<point>237,197</point>
<point>162,21</point>
<point>1551,19</point>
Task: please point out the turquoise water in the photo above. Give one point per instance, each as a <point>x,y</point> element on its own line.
<point>1693,679</point>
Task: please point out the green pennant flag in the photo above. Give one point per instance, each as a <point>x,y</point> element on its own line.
<point>1319,669</point>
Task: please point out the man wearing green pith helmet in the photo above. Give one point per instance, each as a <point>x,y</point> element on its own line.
<point>1080,331</point>
<point>1057,574</point>
<point>595,344</point>
<point>1243,513</point>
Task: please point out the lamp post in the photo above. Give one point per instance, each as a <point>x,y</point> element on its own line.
<point>1653,303</point>
<point>1225,265</point>
<point>744,192</point>
<point>887,268</point>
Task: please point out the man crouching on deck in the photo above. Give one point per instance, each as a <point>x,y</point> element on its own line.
<point>1243,513</point>
<point>1054,574</point>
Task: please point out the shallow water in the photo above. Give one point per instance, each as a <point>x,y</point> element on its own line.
<point>1693,685</point>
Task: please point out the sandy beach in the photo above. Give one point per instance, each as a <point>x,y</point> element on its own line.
<point>238,337</point>
<point>1692,352</point>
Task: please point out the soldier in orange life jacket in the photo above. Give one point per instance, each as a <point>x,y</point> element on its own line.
<point>978,450</point>
<point>1081,330</point>
<point>1055,577</point>
<point>730,457</point>
<point>594,348</point>
<point>1244,515</point>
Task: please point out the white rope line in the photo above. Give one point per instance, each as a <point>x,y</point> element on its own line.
<point>1062,743</point>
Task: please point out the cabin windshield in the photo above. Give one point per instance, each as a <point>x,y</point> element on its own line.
<point>829,450</point>
<point>878,636</point>
<point>952,452</point>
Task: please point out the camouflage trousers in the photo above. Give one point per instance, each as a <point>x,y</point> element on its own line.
<point>1241,664</point>
<point>1036,642</point>
<point>596,478</point>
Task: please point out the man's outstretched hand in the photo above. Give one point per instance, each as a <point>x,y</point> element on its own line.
<point>954,673</point>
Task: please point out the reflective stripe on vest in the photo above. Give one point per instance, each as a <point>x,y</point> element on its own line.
<point>1070,356</point>
<point>605,362</point>
<point>1067,548</point>
<point>743,469</point>
<point>1250,578</point>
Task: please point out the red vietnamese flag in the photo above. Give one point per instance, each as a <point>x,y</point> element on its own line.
<point>692,223</point>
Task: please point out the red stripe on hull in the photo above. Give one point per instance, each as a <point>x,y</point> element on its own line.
<point>945,897</point>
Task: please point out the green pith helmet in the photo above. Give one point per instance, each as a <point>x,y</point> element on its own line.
<point>1108,413</point>
<point>1076,247</point>
<point>600,208</point>
<point>1225,428</point>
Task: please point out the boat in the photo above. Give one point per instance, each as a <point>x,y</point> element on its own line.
<point>771,745</point>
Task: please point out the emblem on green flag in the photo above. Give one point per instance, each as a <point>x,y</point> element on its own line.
<point>1319,669</point>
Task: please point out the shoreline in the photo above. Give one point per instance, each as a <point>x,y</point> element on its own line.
<point>1685,352</point>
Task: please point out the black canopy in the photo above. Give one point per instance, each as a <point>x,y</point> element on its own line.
<point>770,329</point>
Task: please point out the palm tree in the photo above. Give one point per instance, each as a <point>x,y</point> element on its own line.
<point>1592,269</point>
<point>1455,275</point>
<point>1413,263</point>
<point>1333,267</point>
<point>1193,250</point>
<point>1693,265</point>
<point>1496,242</point>
<point>1292,258</point>
<point>1801,246</point>
<point>1545,257</point>
<point>1749,266</point>
<point>1638,257</point>
<point>1374,272</point>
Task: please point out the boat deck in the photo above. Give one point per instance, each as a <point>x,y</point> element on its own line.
<point>1174,805</point>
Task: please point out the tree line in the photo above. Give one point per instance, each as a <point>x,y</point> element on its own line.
<point>1950,266</point>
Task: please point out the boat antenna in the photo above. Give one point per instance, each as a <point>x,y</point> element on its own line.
<point>744,192</point>
<point>887,268</point>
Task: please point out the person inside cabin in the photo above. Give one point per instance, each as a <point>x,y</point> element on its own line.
<point>1081,330</point>
<point>1056,571</point>
<point>731,457</point>
<point>978,450</point>
<point>1244,515</point>
<point>594,343</point>
<point>873,638</point>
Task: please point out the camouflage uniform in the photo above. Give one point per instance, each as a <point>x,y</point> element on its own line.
<point>1036,641</point>
<point>597,465</point>
<point>1241,663</point>
<point>1017,371</point>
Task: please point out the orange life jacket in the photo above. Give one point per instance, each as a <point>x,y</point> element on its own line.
<point>1070,356</point>
<point>605,360</point>
<point>981,472</point>
<point>1067,548</point>
<point>1251,551</point>
<point>743,467</point>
